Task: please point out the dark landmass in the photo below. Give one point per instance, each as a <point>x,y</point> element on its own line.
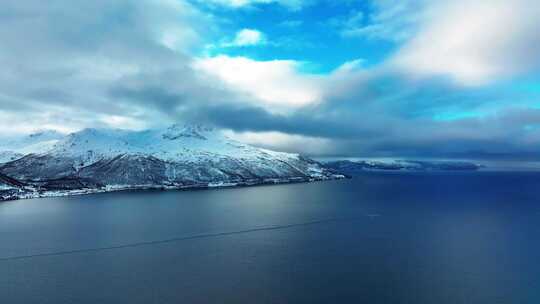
<point>12,189</point>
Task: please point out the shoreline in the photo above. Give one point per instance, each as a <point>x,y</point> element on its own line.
<point>24,194</point>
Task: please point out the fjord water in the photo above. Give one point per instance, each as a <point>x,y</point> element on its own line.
<point>467,237</point>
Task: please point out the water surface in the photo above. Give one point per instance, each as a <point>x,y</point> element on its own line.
<point>469,237</point>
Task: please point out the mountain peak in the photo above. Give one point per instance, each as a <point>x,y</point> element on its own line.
<point>46,134</point>
<point>177,131</point>
<point>36,142</point>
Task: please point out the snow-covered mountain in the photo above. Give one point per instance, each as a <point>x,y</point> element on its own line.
<point>360,166</point>
<point>14,148</point>
<point>176,157</point>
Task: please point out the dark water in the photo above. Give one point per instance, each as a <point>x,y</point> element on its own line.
<point>379,238</point>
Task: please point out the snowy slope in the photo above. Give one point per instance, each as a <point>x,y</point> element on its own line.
<point>40,142</point>
<point>187,143</point>
<point>7,156</point>
<point>177,156</point>
<point>178,143</point>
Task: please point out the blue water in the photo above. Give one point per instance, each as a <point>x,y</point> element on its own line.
<point>378,238</point>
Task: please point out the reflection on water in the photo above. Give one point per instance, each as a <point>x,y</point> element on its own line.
<point>378,238</point>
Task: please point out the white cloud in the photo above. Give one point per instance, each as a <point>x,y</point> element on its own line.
<point>389,20</point>
<point>247,37</point>
<point>350,66</point>
<point>277,83</point>
<point>475,42</point>
<point>12,124</point>
<point>283,141</point>
<point>175,24</point>
<point>122,122</point>
<point>292,4</point>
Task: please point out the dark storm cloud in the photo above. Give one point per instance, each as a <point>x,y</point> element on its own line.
<point>227,111</point>
<point>372,123</point>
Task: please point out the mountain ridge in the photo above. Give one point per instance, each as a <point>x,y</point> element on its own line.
<point>177,157</point>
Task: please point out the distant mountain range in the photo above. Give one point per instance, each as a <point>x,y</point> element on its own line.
<point>349,167</point>
<point>181,156</point>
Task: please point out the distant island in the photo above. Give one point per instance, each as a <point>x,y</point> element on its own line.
<point>351,167</point>
<point>178,157</point>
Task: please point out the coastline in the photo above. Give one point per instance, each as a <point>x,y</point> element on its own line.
<point>23,194</point>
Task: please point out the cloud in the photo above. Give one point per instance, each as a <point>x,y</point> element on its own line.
<point>276,84</point>
<point>291,4</point>
<point>350,66</point>
<point>60,74</point>
<point>387,20</point>
<point>247,37</point>
<point>137,64</point>
<point>380,114</point>
<point>474,42</point>
<point>283,141</point>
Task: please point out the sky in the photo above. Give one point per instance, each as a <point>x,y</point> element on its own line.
<point>365,78</point>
